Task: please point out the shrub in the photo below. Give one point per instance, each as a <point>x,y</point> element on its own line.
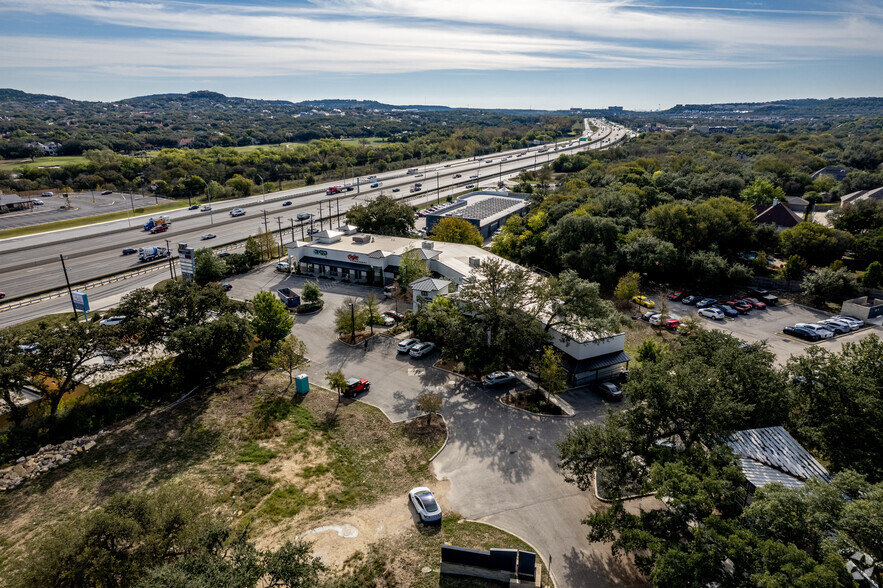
<point>873,275</point>
<point>827,284</point>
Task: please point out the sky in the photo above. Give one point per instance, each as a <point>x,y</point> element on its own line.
<point>541,54</point>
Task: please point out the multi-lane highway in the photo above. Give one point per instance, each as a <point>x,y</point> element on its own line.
<point>31,264</point>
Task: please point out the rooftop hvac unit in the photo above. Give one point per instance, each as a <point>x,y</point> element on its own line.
<point>428,244</point>
<point>362,239</point>
<point>474,262</point>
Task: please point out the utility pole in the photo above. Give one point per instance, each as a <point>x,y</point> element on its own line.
<point>352,315</point>
<point>292,229</point>
<point>337,201</point>
<point>266,226</point>
<point>281,245</point>
<point>68,282</point>
<point>171,265</point>
<point>437,189</point>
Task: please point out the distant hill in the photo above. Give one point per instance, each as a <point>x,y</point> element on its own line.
<point>807,107</point>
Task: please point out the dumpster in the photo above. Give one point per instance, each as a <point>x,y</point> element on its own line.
<point>301,384</point>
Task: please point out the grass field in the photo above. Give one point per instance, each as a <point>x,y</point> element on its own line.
<point>44,161</point>
<point>281,464</point>
<point>86,220</point>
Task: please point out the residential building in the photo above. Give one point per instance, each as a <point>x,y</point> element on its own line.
<point>780,215</point>
<point>852,197</point>
<point>838,173</point>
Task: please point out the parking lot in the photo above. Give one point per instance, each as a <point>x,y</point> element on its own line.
<point>84,204</point>
<point>765,325</point>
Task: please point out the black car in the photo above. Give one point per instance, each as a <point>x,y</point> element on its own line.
<point>286,203</point>
<point>129,251</point>
<point>801,333</point>
<point>224,254</point>
<point>690,300</point>
<point>193,207</point>
<point>706,302</point>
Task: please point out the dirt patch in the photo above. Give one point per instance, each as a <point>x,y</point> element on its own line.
<point>456,367</point>
<point>533,401</point>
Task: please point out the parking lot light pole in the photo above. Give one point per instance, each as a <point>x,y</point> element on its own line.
<point>352,316</point>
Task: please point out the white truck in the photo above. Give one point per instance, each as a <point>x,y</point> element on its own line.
<point>151,253</point>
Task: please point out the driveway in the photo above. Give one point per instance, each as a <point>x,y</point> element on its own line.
<point>501,462</point>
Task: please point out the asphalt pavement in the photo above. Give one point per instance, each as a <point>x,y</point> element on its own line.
<point>82,204</point>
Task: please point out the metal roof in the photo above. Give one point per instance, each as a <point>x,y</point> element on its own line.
<point>428,284</point>
<point>772,455</point>
<point>595,363</point>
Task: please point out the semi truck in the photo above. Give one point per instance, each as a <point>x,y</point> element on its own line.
<point>338,189</point>
<point>157,222</point>
<point>413,170</point>
<point>151,253</point>
<point>289,297</point>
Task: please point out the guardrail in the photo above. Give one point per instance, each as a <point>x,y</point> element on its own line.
<point>55,292</point>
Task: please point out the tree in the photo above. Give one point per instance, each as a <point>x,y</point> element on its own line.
<point>290,356</point>
<point>209,267</point>
<point>457,230</point>
<point>761,193</point>
<point>336,381</point>
<point>794,268</point>
<point>211,347</point>
<point>268,245</point>
<point>68,356</point>
<point>253,249</point>
<point>649,351</point>
<point>551,372</point>
<point>429,403</point>
<point>628,287</point>
<point>827,284</point>
<point>371,310</point>
<point>349,318</point>
<point>382,216</point>
<point>240,185</point>
<point>647,254</point>
<point>13,376</point>
<point>311,292</point>
<point>411,267</point>
<point>873,277</point>
<point>858,217</point>
<point>270,317</point>
<point>816,244</point>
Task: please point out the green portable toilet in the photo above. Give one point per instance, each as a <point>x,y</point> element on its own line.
<point>302,384</point>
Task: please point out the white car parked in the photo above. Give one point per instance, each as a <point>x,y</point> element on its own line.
<point>819,330</point>
<point>422,349</point>
<point>711,313</point>
<point>405,345</point>
<point>856,323</point>
<point>283,266</point>
<point>425,504</point>
<point>112,321</point>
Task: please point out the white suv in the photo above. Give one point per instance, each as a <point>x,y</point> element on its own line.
<point>237,212</point>
<point>406,345</point>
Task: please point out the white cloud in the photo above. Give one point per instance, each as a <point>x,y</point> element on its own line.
<point>395,36</point>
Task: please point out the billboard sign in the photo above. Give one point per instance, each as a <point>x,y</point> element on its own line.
<point>188,263</point>
<point>81,301</point>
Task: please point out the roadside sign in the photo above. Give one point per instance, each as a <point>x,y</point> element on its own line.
<point>81,301</point>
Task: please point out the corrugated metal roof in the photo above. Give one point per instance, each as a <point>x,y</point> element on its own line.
<point>428,285</point>
<point>773,455</point>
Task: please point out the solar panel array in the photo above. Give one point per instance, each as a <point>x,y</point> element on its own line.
<point>484,208</point>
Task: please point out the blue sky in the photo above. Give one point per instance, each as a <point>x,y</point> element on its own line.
<point>641,54</point>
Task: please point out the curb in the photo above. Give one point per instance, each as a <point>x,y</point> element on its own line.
<point>537,414</point>
<point>612,500</point>
<point>520,538</point>
<point>447,436</point>
<point>461,376</point>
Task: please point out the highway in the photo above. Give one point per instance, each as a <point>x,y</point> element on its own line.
<point>31,264</point>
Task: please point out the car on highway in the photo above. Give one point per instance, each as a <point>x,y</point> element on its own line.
<point>396,189</point>
<point>610,390</point>
<point>421,349</point>
<point>286,203</point>
<point>224,254</point>
<point>405,345</point>
<point>159,229</point>
<point>425,504</point>
<point>226,287</point>
<point>498,379</point>
<point>112,321</point>
<point>2,294</point>
<point>642,300</point>
<point>129,251</point>
<point>304,216</point>
<point>283,266</point>
<point>237,212</point>
<point>313,231</point>
<point>458,176</point>
<point>712,313</point>
<point>470,185</point>
<point>473,176</point>
<point>375,185</point>
<point>208,236</point>
<point>205,208</point>
<point>804,334</point>
<point>193,207</point>
<point>690,300</point>
<point>356,386</point>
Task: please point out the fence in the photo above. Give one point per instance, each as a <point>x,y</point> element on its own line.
<point>504,565</point>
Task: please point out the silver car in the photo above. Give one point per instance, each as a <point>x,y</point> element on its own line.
<point>406,345</point>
